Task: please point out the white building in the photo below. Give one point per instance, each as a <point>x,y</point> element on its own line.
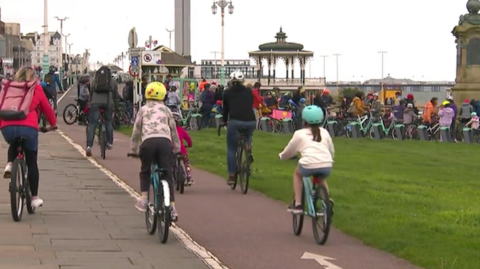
<point>54,48</point>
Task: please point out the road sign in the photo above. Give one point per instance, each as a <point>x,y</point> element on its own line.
<point>134,61</point>
<point>151,58</point>
<point>135,52</point>
<point>133,71</point>
<point>132,38</point>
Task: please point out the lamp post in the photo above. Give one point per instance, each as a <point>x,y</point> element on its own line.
<point>170,37</point>
<point>215,73</point>
<point>66,47</point>
<point>222,4</point>
<point>60,70</point>
<point>383,53</point>
<point>336,56</point>
<point>46,38</point>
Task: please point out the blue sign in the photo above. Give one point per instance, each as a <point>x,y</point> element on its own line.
<point>134,61</point>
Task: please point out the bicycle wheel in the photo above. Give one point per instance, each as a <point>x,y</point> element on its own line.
<point>28,195</point>
<point>245,171</point>
<point>70,114</point>
<point>321,222</point>
<point>151,215</point>
<point>17,195</point>
<point>165,218</point>
<point>298,218</point>
<point>239,167</point>
<point>103,141</point>
<point>181,177</point>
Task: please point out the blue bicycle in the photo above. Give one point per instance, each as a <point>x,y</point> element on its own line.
<point>159,211</point>
<point>317,205</point>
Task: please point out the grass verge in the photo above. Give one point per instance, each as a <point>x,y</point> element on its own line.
<point>418,200</point>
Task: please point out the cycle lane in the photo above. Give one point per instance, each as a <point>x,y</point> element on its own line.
<point>247,231</point>
<point>86,221</point>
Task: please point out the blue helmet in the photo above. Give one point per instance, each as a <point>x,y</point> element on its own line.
<point>313,115</point>
<point>302,101</point>
<point>43,84</point>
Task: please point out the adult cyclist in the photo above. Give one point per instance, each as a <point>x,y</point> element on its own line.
<point>52,81</point>
<point>237,113</point>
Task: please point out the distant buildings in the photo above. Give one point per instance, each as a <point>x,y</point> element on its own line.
<point>39,44</point>
<point>210,69</point>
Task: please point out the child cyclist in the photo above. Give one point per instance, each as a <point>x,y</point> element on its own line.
<point>317,151</point>
<point>183,135</point>
<point>156,130</point>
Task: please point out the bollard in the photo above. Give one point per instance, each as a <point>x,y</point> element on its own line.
<point>377,131</point>
<point>445,134</point>
<point>265,124</point>
<point>422,132</point>
<point>399,132</point>
<point>288,126</point>
<point>354,129</point>
<point>468,135</point>
<point>332,128</point>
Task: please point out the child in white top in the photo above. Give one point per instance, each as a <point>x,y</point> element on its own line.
<point>474,122</point>
<point>317,151</point>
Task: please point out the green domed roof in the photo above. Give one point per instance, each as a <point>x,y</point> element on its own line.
<point>281,44</point>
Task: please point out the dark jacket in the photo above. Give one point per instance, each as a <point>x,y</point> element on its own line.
<point>328,100</point>
<point>208,99</point>
<point>104,99</point>
<point>320,102</point>
<point>237,104</point>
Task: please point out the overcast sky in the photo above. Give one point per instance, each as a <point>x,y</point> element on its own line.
<point>416,34</point>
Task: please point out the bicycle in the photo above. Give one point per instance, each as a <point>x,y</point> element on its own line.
<point>244,148</point>
<point>42,120</point>
<point>315,196</point>
<point>159,213</point>
<point>102,134</point>
<point>360,121</point>
<point>179,174</point>
<point>72,113</point>
<point>19,185</point>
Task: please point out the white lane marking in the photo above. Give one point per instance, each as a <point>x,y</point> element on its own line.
<point>63,95</point>
<point>191,245</point>
<point>322,260</point>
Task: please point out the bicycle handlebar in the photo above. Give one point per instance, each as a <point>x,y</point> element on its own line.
<point>48,129</point>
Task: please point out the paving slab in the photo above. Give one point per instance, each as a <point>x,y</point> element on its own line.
<point>86,222</point>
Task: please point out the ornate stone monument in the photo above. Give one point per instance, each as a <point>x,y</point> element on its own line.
<point>467,34</point>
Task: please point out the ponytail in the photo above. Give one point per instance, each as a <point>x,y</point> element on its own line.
<point>316,132</point>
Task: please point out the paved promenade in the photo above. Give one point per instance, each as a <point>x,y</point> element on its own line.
<point>86,221</point>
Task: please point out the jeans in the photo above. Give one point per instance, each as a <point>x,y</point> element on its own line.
<point>232,140</point>
<point>53,95</point>
<point>10,134</point>
<point>94,113</point>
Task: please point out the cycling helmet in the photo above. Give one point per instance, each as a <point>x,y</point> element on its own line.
<point>326,91</point>
<point>176,116</point>
<point>410,105</point>
<point>445,103</point>
<point>237,76</point>
<point>302,101</point>
<point>473,114</point>
<point>43,84</point>
<point>375,94</point>
<point>155,91</point>
<point>312,115</point>
<point>449,98</point>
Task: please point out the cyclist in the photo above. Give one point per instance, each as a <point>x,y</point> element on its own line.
<point>317,152</point>
<point>183,135</point>
<point>53,81</point>
<point>27,127</point>
<point>155,128</point>
<point>103,91</point>
<point>238,113</point>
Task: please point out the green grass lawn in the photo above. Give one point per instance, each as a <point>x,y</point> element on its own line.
<point>418,200</point>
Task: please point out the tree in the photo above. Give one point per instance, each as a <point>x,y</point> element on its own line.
<point>348,93</point>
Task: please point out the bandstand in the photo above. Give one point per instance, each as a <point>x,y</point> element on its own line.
<point>281,50</point>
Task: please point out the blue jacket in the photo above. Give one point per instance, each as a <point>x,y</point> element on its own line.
<point>52,87</point>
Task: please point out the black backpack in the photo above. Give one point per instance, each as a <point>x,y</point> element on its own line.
<point>103,79</point>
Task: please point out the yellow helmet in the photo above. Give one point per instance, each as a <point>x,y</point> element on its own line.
<point>155,91</point>
<point>445,103</point>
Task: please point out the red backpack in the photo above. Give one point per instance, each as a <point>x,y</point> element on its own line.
<point>15,99</point>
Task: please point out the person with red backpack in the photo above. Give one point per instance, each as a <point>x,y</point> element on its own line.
<point>21,101</point>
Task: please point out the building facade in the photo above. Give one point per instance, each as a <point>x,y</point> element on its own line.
<point>210,69</point>
<point>39,43</point>
<point>12,28</point>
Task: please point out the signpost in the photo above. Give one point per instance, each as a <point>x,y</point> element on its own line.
<point>132,38</point>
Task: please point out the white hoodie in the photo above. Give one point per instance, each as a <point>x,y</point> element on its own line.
<point>314,154</point>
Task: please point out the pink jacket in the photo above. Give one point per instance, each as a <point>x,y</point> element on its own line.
<point>39,103</point>
<point>183,135</point>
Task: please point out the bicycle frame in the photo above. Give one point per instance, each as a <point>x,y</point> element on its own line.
<point>384,129</point>
<point>156,185</point>
<point>308,187</point>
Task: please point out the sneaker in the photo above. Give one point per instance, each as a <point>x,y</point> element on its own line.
<point>8,171</point>
<point>231,180</point>
<point>295,209</point>
<point>37,202</point>
<point>141,205</point>
<point>174,213</point>
<point>109,146</point>
<point>189,182</point>
<point>88,152</point>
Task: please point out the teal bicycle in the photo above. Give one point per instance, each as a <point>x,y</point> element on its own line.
<point>365,123</point>
<point>317,205</point>
<point>159,211</point>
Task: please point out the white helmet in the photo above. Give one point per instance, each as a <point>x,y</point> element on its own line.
<point>237,76</point>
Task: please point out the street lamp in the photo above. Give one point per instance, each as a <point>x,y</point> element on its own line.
<point>222,4</point>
